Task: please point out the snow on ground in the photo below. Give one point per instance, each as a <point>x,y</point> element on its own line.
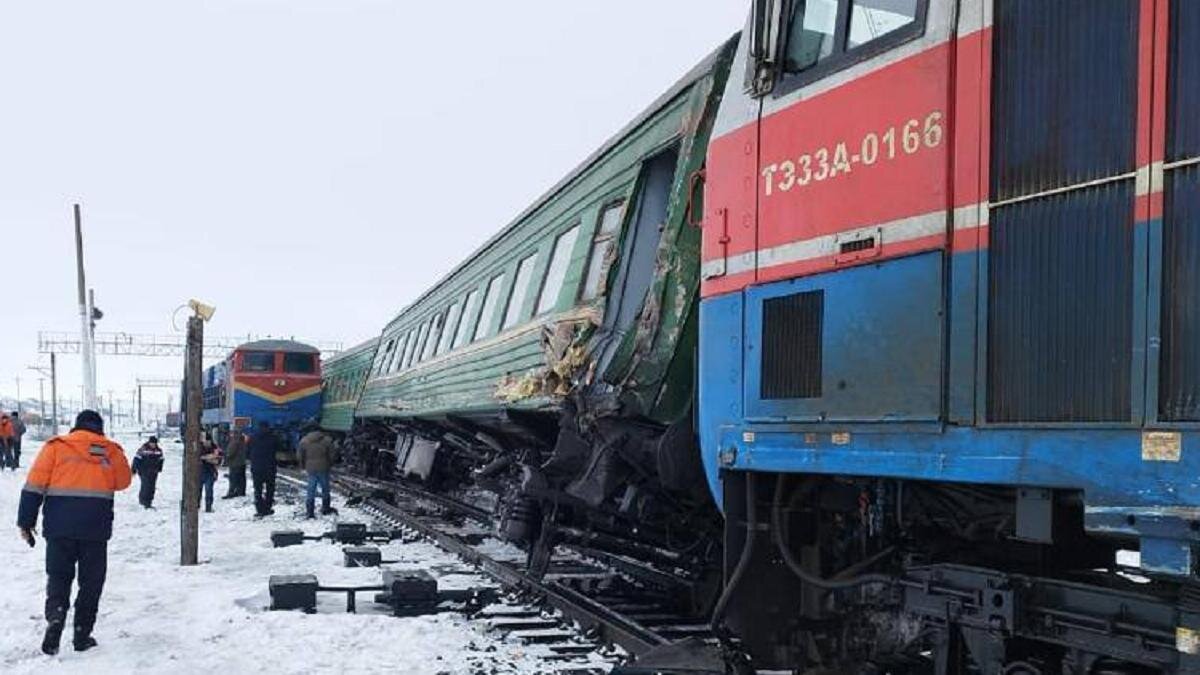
<point>158,617</point>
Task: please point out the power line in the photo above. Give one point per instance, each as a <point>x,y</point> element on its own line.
<point>141,344</point>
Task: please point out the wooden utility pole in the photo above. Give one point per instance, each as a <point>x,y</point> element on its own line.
<point>189,508</point>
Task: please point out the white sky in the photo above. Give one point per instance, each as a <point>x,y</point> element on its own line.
<point>308,166</point>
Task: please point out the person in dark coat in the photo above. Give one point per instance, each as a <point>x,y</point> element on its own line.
<point>72,482</point>
<point>235,459</point>
<point>262,448</point>
<point>316,454</point>
<point>210,459</point>
<point>18,426</point>
<point>147,464</point>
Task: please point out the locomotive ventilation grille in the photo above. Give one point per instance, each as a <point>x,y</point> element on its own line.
<point>791,339</point>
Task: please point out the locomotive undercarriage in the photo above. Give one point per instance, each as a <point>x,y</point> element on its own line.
<point>828,574</point>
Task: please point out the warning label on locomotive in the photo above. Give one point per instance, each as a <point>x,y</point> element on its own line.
<point>1187,640</point>
<point>1161,446</point>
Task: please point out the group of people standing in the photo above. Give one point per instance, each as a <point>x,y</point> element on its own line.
<point>75,477</point>
<point>316,454</point>
<point>12,428</point>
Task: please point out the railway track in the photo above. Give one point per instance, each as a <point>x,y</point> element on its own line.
<point>585,602</point>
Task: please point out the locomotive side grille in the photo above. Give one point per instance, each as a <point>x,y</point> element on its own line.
<point>1179,394</point>
<point>791,339</point>
<point>1179,379</point>
<point>1060,260</point>
<point>1064,94</point>
<point>1060,314</point>
<point>1183,87</point>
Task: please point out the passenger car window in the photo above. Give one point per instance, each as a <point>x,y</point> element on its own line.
<point>556,273</point>
<point>393,363</point>
<point>409,348</point>
<point>811,33</point>
<point>606,237</point>
<point>516,298</point>
<point>258,362</point>
<point>464,325</point>
<point>381,359</point>
<point>434,333</point>
<point>448,329</point>
<point>299,364</point>
<point>490,300</point>
<point>422,340</point>
<point>870,19</point>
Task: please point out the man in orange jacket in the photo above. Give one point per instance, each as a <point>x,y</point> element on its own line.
<point>6,443</point>
<point>73,481</point>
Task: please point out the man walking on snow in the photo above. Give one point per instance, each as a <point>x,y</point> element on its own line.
<point>147,464</point>
<point>74,477</point>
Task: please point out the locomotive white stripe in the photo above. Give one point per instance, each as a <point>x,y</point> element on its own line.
<point>897,231</point>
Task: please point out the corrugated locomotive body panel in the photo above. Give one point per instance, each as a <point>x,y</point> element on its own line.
<point>507,364</point>
<point>342,379</point>
<point>1032,355</point>
<point>1075,121</point>
<point>1061,308</point>
<point>1180,381</point>
<point>1179,384</point>
<point>1183,86</point>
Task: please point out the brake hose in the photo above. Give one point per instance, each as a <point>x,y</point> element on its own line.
<point>744,560</point>
<point>795,566</point>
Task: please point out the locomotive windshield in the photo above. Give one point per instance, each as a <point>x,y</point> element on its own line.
<point>299,364</point>
<point>258,362</point>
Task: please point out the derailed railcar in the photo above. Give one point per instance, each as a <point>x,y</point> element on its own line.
<point>343,376</point>
<point>950,335</point>
<point>556,366</point>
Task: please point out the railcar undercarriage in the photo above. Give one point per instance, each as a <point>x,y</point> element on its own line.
<point>602,482</point>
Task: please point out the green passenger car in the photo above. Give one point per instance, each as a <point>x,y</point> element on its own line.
<point>343,376</point>
<point>555,367</point>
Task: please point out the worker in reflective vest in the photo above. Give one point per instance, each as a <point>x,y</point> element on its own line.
<point>73,481</point>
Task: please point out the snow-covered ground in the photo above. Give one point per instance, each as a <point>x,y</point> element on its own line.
<point>158,617</point>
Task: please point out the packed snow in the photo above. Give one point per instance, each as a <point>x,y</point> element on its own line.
<point>158,617</point>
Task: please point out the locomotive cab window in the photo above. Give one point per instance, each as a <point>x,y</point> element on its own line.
<point>299,364</point>
<point>824,36</point>
<point>258,362</point>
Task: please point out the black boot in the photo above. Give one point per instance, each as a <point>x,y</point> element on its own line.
<point>54,631</point>
<point>309,512</point>
<point>83,639</point>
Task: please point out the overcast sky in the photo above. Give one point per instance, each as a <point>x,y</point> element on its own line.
<point>308,166</point>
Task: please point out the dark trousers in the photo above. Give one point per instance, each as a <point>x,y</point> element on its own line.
<point>237,481</point>
<point>264,492</point>
<point>207,480</point>
<point>146,492</point>
<point>63,557</point>
<point>6,455</point>
<point>16,453</point>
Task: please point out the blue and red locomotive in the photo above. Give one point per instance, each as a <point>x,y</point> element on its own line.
<point>272,381</point>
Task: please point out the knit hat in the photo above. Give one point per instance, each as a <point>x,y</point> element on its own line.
<point>89,420</point>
